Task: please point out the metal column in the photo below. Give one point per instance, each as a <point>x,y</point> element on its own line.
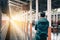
<point>49,18</point>
<point>30,19</point>
<point>8,13</point>
<point>36,10</point>
<point>0,19</point>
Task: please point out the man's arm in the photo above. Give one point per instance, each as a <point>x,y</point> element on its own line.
<point>35,27</point>
<point>48,23</point>
<point>36,24</point>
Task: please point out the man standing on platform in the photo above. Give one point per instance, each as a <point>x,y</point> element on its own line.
<point>42,27</point>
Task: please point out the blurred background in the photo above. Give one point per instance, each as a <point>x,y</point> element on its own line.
<point>18,18</point>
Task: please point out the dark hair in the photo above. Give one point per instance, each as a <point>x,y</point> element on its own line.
<point>42,14</point>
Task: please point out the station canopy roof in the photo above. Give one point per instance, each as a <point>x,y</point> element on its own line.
<point>42,4</point>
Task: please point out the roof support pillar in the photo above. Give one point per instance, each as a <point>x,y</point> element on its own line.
<point>36,10</point>
<point>49,18</point>
<point>30,19</point>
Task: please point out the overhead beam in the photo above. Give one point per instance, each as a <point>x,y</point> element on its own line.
<point>19,1</point>
<point>14,3</point>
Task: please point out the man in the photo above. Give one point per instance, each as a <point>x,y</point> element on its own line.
<point>42,27</point>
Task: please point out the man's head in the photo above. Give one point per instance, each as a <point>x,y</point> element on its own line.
<point>42,14</point>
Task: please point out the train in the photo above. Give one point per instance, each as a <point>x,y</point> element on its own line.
<point>55,22</point>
